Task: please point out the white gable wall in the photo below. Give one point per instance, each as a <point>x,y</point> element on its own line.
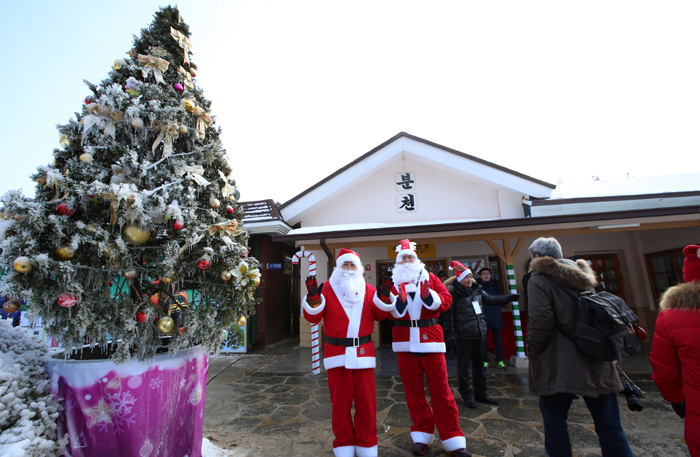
<point>449,186</point>
<point>441,193</point>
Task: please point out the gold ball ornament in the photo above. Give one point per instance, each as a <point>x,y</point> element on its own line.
<point>137,123</point>
<point>169,279</point>
<point>65,253</point>
<point>134,235</point>
<point>182,130</point>
<point>64,141</point>
<point>226,276</point>
<point>193,72</point>
<point>22,265</point>
<point>187,104</point>
<point>165,324</point>
<point>118,64</point>
<point>214,203</point>
<point>10,306</point>
<point>130,274</point>
<point>241,321</point>
<point>86,157</point>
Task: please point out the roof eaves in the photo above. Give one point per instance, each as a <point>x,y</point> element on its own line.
<point>611,198</point>
<point>499,223</point>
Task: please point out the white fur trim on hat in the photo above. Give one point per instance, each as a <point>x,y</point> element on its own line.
<point>464,274</point>
<point>346,255</point>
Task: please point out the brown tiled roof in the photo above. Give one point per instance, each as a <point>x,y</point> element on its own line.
<point>261,211</point>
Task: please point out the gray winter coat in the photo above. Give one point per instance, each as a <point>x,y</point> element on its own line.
<point>555,364</point>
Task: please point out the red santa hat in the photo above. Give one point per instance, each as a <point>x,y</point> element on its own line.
<point>691,264</point>
<point>406,247</point>
<point>346,255</point>
<point>460,270</point>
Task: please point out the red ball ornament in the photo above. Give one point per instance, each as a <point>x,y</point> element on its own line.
<point>68,300</point>
<point>142,317</point>
<point>65,209</point>
<point>177,226</point>
<point>178,87</point>
<point>88,100</point>
<point>203,264</point>
<point>229,209</point>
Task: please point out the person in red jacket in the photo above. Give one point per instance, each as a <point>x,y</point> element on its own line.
<point>675,349</point>
<point>348,307</point>
<point>419,344</point>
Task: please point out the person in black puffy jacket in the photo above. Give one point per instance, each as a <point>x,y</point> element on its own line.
<point>466,326</point>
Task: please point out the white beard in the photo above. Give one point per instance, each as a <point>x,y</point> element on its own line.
<point>349,285</point>
<point>406,272</point>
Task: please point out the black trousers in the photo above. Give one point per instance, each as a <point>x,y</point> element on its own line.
<point>470,352</point>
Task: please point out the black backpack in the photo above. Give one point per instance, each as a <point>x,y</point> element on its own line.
<point>605,326</point>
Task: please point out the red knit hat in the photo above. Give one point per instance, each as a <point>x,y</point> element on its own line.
<point>346,255</point>
<point>460,270</point>
<point>691,264</point>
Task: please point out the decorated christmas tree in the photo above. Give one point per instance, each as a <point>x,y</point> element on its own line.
<point>133,241</point>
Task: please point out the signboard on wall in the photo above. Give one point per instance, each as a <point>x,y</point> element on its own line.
<point>405,187</point>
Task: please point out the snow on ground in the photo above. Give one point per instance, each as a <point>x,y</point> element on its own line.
<point>211,450</point>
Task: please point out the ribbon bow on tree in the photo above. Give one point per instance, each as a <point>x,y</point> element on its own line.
<point>203,122</point>
<point>154,63</point>
<point>188,78</point>
<point>227,228</point>
<point>183,41</point>
<point>194,172</point>
<point>102,115</point>
<point>165,135</point>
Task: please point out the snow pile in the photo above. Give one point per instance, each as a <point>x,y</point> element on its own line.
<point>211,450</point>
<point>28,412</point>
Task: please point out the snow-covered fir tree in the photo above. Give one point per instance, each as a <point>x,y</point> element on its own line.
<point>28,413</point>
<point>138,208</point>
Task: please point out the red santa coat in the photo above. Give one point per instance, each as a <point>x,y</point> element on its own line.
<point>675,355</point>
<point>345,320</point>
<point>421,339</point>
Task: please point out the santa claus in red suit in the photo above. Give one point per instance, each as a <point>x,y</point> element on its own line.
<point>348,307</point>
<point>419,345</point>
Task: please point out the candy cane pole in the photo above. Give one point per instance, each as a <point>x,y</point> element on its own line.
<point>520,346</point>
<point>315,364</point>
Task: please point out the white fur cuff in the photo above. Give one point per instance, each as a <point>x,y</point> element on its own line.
<point>385,306</point>
<point>316,310</point>
<point>436,301</point>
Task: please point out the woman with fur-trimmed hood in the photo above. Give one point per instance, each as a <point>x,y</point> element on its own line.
<point>558,372</point>
<point>675,349</point>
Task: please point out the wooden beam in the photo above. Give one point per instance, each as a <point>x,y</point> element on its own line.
<point>495,248</point>
<point>517,249</point>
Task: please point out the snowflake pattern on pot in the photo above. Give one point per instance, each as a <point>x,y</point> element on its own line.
<point>140,409</point>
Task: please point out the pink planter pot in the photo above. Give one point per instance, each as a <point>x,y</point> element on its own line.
<point>139,409</point>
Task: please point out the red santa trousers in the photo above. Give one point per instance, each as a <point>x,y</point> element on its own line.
<point>444,415</point>
<point>345,386</point>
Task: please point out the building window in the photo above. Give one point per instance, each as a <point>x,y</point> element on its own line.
<point>665,270</point>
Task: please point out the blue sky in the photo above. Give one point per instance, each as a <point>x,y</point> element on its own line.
<point>556,90</point>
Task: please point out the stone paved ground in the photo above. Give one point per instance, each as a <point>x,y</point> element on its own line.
<point>268,403</point>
